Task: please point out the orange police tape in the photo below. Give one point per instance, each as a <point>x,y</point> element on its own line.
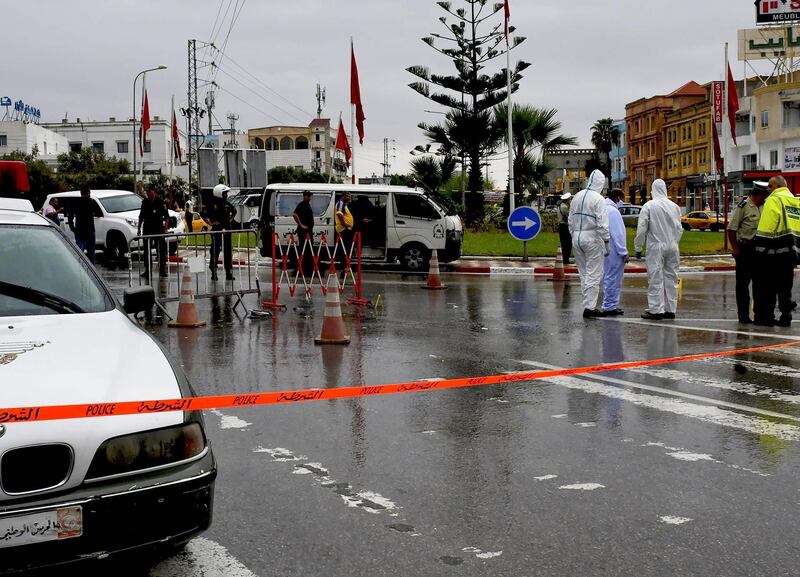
<point>81,411</point>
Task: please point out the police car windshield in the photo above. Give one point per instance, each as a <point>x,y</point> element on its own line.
<point>40,274</point>
<point>121,203</point>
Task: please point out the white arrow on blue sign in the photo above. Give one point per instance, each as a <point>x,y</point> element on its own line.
<point>524,223</point>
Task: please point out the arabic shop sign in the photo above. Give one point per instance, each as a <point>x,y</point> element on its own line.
<point>26,111</point>
<point>777,11</point>
<point>769,43</point>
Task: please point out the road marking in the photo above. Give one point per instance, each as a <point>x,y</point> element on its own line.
<point>670,324</point>
<point>202,557</point>
<point>230,421</point>
<point>705,381</point>
<point>671,520</point>
<point>706,412</point>
<point>583,487</point>
<point>664,391</point>
<point>766,368</point>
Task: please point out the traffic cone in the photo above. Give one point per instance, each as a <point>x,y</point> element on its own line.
<point>187,312</point>
<point>558,268</point>
<point>332,324</point>
<point>434,280</point>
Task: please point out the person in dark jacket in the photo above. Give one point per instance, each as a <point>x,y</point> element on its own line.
<point>220,216</point>
<point>304,217</point>
<point>81,222</point>
<point>154,219</point>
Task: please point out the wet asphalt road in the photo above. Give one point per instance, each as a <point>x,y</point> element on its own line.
<point>568,476</point>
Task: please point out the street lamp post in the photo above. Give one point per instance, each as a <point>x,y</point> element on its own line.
<point>160,67</point>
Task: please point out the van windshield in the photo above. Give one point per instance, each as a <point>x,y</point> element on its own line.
<point>444,205</point>
<point>286,202</point>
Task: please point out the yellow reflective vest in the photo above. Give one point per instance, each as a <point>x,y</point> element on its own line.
<point>779,227</point>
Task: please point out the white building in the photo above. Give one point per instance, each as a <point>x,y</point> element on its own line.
<point>115,138</point>
<point>21,136</point>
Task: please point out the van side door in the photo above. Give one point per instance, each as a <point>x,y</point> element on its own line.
<point>414,219</point>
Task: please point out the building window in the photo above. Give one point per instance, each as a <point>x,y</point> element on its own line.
<point>639,175</point>
<point>147,146</point>
<point>764,119</point>
<point>301,143</point>
<point>701,128</point>
<point>122,147</point>
<point>651,173</point>
<point>689,132</point>
<point>773,159</point>
<point>652,148</point>
<point>749,161</point>
<point>98,147</point>
<point>286,143</point>
<point>272,144</point>
<point>75,146</point>
<point>316,137</point>
<point>3,140</point>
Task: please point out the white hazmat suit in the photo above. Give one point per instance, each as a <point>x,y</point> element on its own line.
<point>615,260</point>
<point>588,225</point>
<point>660,228</point>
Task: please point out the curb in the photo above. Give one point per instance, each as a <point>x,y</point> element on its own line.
<point>529,271</point>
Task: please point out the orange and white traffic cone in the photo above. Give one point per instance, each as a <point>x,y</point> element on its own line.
<point>332,323</point>
<point>558,268</point>
<point>187,312</point>
<point>434,280</point>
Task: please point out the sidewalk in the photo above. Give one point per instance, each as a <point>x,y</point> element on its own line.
<point>544,266</point>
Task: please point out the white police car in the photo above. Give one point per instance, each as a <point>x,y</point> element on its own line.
<point>94,487</point>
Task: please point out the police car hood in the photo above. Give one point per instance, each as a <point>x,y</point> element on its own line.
<point>80,358</point>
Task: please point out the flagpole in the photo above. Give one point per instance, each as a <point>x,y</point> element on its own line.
<point>172,144</point>
<point>352,117</point>
<point>142,136</point>
<point>511,200</point>
<point>725,154</point>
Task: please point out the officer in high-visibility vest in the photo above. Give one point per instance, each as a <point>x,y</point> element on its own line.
<point>776,241</point>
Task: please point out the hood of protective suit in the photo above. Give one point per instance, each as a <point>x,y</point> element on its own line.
<point>659,189</point>
<point>596,181</point>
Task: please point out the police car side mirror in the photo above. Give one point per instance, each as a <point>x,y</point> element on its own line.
<point>138,299</point>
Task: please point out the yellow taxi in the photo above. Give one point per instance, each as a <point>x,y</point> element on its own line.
<point>702,220</point>
<point>198,224</point>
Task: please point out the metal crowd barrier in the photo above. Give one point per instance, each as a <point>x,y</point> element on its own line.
<point>195,250</point>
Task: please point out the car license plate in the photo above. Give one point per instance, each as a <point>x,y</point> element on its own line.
<point>64,523</point>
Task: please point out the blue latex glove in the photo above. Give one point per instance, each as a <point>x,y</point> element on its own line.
<point>638,254</point>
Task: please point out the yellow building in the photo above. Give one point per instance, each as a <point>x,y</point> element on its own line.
<point>645,120</point>
<point>687,148</point>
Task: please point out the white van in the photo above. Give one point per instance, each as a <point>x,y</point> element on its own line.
<point>404,224</point>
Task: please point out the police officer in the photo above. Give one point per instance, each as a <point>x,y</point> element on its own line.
<point>741,234</point>
<point>775,251</point>
<point>221,214</point>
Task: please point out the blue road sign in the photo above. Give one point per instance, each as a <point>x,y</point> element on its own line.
<point>524,223</point>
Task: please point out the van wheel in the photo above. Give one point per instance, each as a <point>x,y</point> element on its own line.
<point>253,224</point>
<point>414,257</point>
<point>116,249</point>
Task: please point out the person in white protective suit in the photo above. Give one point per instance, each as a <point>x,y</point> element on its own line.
<point>660,229</point>
<point>617,256</point>
<point>588,225</point>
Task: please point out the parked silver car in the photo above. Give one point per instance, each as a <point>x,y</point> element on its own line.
<point>88,488</point>
<point>630,214</point>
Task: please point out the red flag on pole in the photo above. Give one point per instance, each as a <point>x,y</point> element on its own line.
<point>343,144</point>
<point>176,139</point>
<point>717,151</point>
<point>355,95</point>
<point>508,16</point>
<point>733,104</point>
<point>145,125</point>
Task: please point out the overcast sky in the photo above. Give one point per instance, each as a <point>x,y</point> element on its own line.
<point>589,58</point>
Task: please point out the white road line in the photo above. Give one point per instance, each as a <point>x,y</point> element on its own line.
<point>704,329</point>
<point>670,392</point>
<point>766,368</point>
<point>711,382</point>
<point>202,558</point>
<point>705,413</point>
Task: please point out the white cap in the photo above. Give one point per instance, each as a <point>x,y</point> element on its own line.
<point>566,196</point>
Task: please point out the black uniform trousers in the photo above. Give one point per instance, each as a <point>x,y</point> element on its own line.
<point>566,242</point>
<point>745,273</point>
<point>224,242</point>
<point>773,280</point>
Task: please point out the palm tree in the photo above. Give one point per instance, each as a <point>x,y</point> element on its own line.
<point>536,133</point>
<point>605,136</point>
<point>427,171</point>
